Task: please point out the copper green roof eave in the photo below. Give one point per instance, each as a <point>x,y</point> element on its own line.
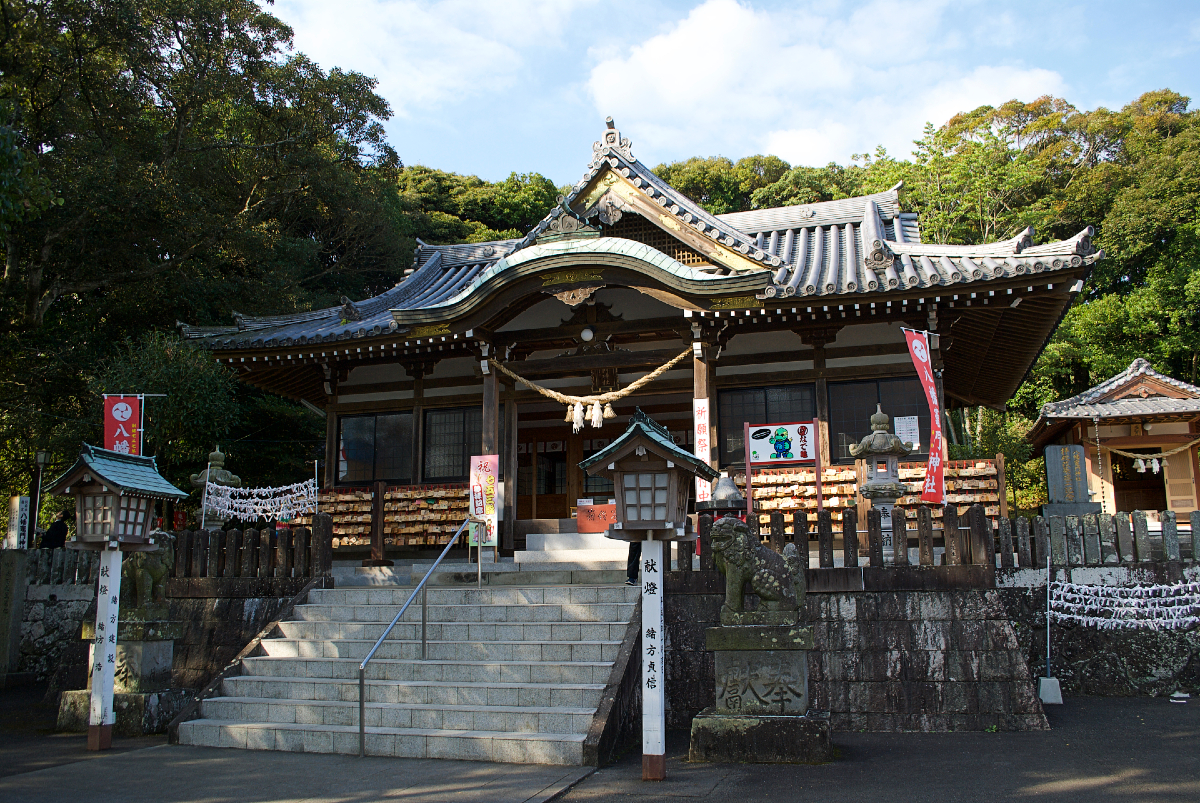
<point>592,253</point>
<point>127,473</point>
<point>642,424</point>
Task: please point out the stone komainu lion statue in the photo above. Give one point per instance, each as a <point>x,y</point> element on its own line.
<point>778,580</point>
<point>148,571</point>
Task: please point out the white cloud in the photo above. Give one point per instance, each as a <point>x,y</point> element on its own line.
<point>809,84</point>
<point>426,54</point>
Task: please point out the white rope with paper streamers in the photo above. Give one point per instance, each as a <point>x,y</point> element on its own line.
<point>1148,456</point>
<point>599,406</point>
<point>1156,607</point>
<point>250,504</point>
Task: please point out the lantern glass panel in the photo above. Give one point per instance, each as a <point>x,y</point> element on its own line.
<point>97,516</point>
<point>646,496</point>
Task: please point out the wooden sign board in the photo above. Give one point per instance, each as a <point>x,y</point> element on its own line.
<point>595,518</point>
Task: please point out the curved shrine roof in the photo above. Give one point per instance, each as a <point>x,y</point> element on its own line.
<point>848,249</point>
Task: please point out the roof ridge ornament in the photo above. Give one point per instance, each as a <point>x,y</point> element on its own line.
<point>349,312</point>
<point>613,141</point>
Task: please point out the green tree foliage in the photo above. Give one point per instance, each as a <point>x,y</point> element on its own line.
<point>721,185</point>
<point>449,208</point>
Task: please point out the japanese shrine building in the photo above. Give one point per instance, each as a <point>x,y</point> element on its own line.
<point>789,314</point>
<point>1139,431</point>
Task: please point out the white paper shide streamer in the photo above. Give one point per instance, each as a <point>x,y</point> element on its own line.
<point>1154,607</point>
<point>250,504</point>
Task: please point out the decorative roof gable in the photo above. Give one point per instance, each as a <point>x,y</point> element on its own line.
<point>124,472</point>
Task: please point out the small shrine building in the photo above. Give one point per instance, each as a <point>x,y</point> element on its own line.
<point>788,314</point>
<point>1140,432</point>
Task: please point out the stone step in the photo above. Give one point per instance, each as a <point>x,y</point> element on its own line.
<point>519,748</point>
<point>444,671</point>
<point>491,595</point>
<point>458,631</point>
<point>505,719</point>
<point>575,542</point>
<point>572,612</point>
<point>357,649</point>
<point>541,557</point>
<point>423,692</point>
<point>575,573</point>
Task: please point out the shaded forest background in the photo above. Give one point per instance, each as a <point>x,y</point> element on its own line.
<point>165,161</point>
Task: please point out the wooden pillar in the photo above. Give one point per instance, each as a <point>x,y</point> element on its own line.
<point>491,413</point>
<point>704,386</point>
<point>574,472</point>
<point>822,394</point>
<point>417,372</point>
<point>377,524</point>
<point>511,472</point>
<point>331,447</point>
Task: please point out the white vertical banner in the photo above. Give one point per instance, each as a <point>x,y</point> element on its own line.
<point>654,709</point>
<point>104,653</point>
<point>700,416</point>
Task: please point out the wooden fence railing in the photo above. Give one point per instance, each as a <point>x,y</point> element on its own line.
<point>299,552</point>
<point>972,539</point>
<point>61,567</point>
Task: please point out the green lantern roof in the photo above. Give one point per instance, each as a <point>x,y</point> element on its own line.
<point>642,424</point>
<point>127,473</point>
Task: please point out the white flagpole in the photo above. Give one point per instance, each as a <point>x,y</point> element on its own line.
<point>204,498</point>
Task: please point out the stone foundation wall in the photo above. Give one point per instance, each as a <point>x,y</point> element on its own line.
<point>1110,663</point>
<point>215,631</point>
<point>51,626</point>
<point>884,661</point>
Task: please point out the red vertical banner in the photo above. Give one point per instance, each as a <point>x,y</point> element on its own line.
<point>123,424</point>
<point>918,349</point>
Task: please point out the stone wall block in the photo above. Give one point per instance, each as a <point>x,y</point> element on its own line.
<point>967,635</point>
<point>1000,635</point>
<point>931,634</point>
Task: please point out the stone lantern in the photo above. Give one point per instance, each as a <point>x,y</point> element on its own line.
<point>216,474</point>
<point>114,506</point>
<point>652,479</point>
<point>882,452</point>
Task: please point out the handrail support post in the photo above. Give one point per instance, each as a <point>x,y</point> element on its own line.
<point>424,608</point>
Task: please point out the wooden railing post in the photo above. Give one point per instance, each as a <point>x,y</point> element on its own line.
<point>950,534</point>
<point>182,552</point>
<point>1108,539</point>
<point>322,544</point>
<point>1074,536</point>
<point>199,553</point>
<point>800,535</point>
<point>1024,555</point>
<point>283,553</point>
<point>1141,538</point>
<point>983,544</point>
<point>215,540</point>
<point>1125,553</point>
<point>250,553</point>
<point>850,537</point>
<point>704,528</point>
<point>875,535</point>
<point>899,536</point>
<point>1058,541</point>
<point>825,538</point>
<point>1195,521</point>
<point>925,535</point>
<point>1091,540</point>
<point>300,548</point>
<point>265,552</point>
<point>1170,535</point>
<point>777,532</point>
<point>233,543</point>
<point>1006,543</point>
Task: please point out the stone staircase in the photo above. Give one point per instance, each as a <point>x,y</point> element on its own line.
<point>515,670</point>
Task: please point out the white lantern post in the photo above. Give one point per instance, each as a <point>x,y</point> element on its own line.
<point>104,651</point>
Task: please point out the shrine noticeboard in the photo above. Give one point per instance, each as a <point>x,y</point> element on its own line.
<point>484,470</point>
<point>775,444</point>
<point>595,518</point>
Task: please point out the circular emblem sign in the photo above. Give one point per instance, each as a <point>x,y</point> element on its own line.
<point>919,350</point>
<point>121,411</point>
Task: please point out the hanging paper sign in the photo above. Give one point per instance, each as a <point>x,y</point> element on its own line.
<point>773,444</point>
<point>918,348</point>
<point>703,445</point>
<point>122,424</point>
<point>908,430</point>
<point>484,470</point>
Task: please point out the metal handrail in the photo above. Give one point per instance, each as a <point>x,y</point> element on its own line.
<point>362,668</point>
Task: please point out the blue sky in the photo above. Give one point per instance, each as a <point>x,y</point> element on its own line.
<point>495,86</point>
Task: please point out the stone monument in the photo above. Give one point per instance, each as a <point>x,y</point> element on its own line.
<point>881,450</point>
<point>1067,482</point>
<point>217,474</point>
<point>762,711</point>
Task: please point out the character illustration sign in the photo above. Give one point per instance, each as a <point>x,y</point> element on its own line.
<point>773,444</point>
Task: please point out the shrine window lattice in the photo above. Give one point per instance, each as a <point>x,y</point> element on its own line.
<point>634,227</point>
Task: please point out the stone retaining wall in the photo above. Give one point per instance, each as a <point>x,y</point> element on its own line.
<point>51,625</point>
<point>884,661</point>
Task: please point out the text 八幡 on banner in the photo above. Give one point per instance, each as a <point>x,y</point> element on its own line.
<point>123,424</point>
<point>933,491</point>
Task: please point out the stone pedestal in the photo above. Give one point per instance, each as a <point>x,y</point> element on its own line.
<point>762,713</point>
<point>143,700</point>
